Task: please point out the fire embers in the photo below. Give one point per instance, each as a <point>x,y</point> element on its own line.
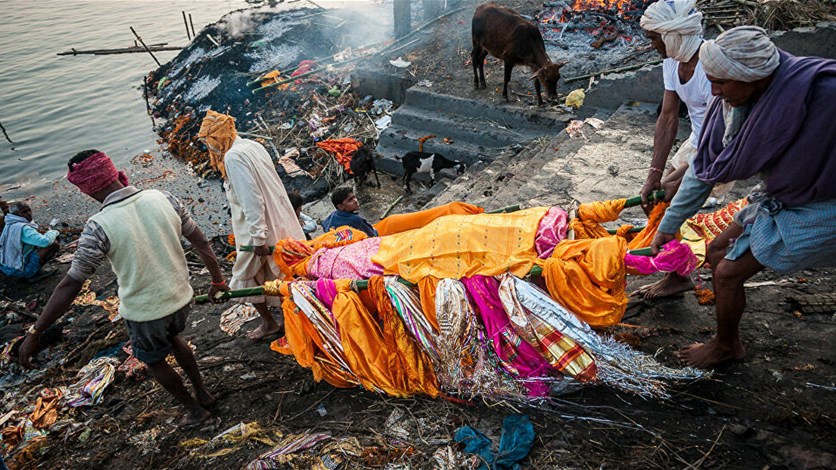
<point>604,20</point>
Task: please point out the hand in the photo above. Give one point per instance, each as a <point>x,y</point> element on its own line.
<point>661,239</point>
<point>214,290</point>
<point>671,186</point>
<point>31,345</point>
<point>652,183</point>
<point>261,250</point>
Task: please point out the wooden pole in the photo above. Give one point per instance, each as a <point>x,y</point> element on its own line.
<point>124,50</point>
<point>186,23</point>
<point>615,70</point>
<point>191,23</point>
<point>403,18</point>
<point>146,47</point>
<point>5,134</point>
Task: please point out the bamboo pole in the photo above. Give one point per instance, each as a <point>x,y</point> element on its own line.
<point>191,23</point>
<point>146,47</point>
<point>186,23</point>
<point>123,50</point>
<point>615,70</point>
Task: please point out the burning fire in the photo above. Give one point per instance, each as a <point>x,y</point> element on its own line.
<point>612,5</point>
<point>556,14</point>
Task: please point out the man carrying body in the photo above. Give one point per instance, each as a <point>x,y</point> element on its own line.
<point>261,211</point>
<point>774,117</point>
<point>24,250</point>
<point>675,30</point>
<point>139,233</point>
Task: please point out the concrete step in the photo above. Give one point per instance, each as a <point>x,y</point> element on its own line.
<point>509,116</point>
<point>478,130</point>
<point>398,141</point>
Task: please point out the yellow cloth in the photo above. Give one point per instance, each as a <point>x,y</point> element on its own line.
<point>587,224</point>
<point>588,278</point>
<point>402,222</point>
<point>459,246</point>
<point>645,237</point>
<point>218,132</point>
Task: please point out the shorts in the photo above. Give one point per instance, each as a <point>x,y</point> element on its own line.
<point>151,341</point>
<point>30,267</point>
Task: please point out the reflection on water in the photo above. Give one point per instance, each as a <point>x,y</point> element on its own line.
<point>54,106</point>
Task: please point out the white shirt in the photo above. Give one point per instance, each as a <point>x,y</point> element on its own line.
<point>696,93</point>
<point>261,210</point>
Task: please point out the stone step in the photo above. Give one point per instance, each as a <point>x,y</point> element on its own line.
<point>477,130</point>
<point>397,141</point>
<point>509,116</point>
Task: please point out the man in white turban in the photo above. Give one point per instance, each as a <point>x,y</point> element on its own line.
<point>774,118</point>
<point>675,30</point>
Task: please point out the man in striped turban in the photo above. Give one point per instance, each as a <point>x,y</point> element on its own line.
<point>774,117</point>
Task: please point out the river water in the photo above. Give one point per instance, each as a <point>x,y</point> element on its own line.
<point>55,106</point>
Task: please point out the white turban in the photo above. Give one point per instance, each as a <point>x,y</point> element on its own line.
<point>680,25</point>
<point>744,54</point>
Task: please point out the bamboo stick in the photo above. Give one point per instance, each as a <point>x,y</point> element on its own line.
<point>124,50</point>
<point>185,22</point>
<point>146,47</point>
<point>615,70</point>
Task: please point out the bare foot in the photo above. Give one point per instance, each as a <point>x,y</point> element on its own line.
<point>263,331</point>
<point>671,284</point>
<point>205,399</point>
<point>705,355</point>
<point>194,418</point>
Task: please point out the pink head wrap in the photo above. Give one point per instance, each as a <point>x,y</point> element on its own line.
<point>95,173</point>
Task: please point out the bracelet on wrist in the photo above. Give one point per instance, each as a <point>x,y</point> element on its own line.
<point>32,330</point>
<point>219,284</point>
<point>655,169</point>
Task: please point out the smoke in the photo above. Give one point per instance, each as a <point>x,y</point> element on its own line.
<point>239,23</point>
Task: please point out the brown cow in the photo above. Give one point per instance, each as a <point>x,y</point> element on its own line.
<point>508,36</point>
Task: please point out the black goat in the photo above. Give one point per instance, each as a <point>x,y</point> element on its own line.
<point>425,162</point>
<point>362,163</point>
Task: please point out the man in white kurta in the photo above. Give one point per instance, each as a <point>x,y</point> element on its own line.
<point>261,213</point>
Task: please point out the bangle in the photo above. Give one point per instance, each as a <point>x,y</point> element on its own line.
<point>655,169</point>
<point>219,284</point>
<point>32,330</point>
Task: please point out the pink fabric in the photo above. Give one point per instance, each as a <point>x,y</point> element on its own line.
<point>550,231</point>
<point>353,261</point>
<point>674,257</point>
<point>95,173</point>
<point>326,292</point>
<point>518,357</point>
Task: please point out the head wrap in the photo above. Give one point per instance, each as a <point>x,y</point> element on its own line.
<point>95,173</point>
<point>680,25</point>
<point>744,54</point>
<point>218,132</point>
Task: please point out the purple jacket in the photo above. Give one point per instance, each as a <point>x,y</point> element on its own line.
<point>790,135</point>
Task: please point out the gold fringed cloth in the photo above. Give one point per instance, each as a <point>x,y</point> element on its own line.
<point>458,246</point>
<point>587,277</point>
<point>402,222</point>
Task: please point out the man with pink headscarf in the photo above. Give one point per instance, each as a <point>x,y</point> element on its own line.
<point>139,232</point>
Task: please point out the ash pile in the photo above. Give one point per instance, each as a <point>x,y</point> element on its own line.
<point>285,77</point>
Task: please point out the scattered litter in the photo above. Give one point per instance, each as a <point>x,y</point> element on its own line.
<point>575,98</point>
<point>574,128</point>
<point>381,106</point>
<point>425,83</point>
<point>594,122</point>
<point>87,297</point>
<point>400,63</point>
<point>394,425</point>
<point>236,436</point>
<point>233,318</point>
<point>514,444</point>
<point>249,376</point>
<point>321,410</point>
<point>278,456</point>
<point>94,378</point>
<point>383,123</point>
<point>65,258</point>
<point>146,440</point>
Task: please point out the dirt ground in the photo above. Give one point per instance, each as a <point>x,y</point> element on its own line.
<point>773,410</point>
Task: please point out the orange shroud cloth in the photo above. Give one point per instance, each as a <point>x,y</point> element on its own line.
<point>303,341</point>
<point>372,352</point>
<point>342,149</point>
<point>643,238</point>
<point>588,278</point>
<point>458,246</point>
<point>590,215</point>
<point>292,256</point>
<point>426,292</point>
<point>402,222</point>
<point>418,375</point>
